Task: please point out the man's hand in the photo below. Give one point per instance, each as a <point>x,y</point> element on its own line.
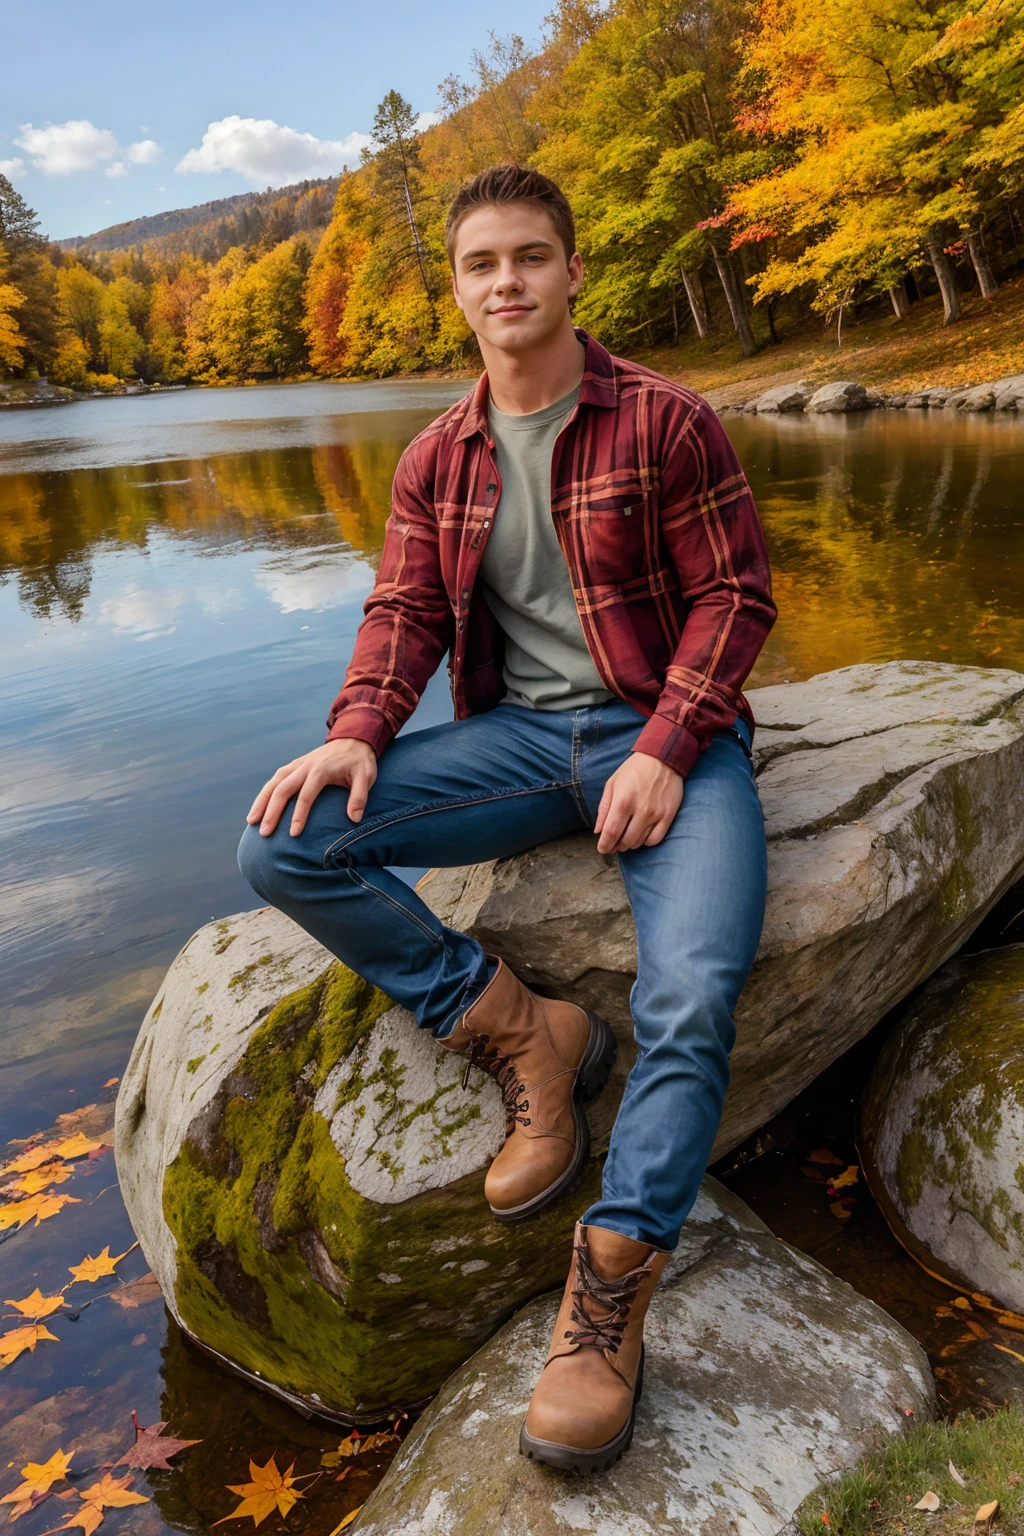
<point>350,763</point>
<point>639,803</point>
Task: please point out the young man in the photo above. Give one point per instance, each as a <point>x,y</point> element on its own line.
<point>578,536</point>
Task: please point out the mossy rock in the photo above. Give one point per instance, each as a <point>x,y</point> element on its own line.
<point>304,1171</point>
<point>942,1125</point>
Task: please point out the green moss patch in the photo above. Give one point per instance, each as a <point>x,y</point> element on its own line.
<point>286,1269</point>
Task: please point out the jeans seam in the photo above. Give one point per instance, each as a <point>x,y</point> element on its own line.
<point>577,787</point>
<point>396,906</point>
<point>394,819</point>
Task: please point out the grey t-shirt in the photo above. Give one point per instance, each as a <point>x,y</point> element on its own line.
<point>525,578</point>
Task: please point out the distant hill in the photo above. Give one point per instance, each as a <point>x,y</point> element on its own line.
<point>210,229</point>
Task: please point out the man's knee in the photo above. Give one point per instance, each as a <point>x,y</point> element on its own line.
<point>257,861</point>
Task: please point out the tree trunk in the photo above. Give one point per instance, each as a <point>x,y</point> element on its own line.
<point>417,242</point>
<point>945,276</point>
<point>900,302</point>
<point>734,299</point>
<point>770,308</point>
<point>982,271</point>
<point>697,310</point>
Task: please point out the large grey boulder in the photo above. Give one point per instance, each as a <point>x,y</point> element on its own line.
<point>783,398</point>
<point>842,396</point>
<point>304,1168</point>
<point>942,1125</point>
<point>980,398</point>
<point>1008,393</point>
<point>764,1376</point>
<point>891,796</point>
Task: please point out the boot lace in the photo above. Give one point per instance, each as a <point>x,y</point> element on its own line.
<point>506,1074</point>
<point>614,1297</point>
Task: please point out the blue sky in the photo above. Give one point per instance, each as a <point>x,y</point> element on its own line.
<point>103,104</point>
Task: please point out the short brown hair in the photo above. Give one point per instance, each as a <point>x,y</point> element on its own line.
<point>501,184</point>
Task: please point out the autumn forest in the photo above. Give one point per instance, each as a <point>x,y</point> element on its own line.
<point>734,166</point>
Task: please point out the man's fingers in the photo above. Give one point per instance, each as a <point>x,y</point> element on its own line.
<point>602,810</point>
<point>314,783</point>
<point>658,831</point>
<point>259,805</point>
<point>282,793</point>
<point>361,785</point>
<point>615,824</point>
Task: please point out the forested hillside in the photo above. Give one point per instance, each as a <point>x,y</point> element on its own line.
<point>741,166</point>
<point>210,229</point>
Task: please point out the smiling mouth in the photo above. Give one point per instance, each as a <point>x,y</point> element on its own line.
<point>512,309</point>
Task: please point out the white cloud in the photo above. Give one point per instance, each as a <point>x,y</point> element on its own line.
<point>427,120</point>
<point>297,582</point>
<point>141,612</point>
<point>145,152</point>
<point>60,149</point>
<point>12,167</point>
<point>269,153</point>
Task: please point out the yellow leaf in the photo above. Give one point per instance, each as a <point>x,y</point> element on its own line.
<point>962,1303</point>
<point>39,1178</point>
<point>39,1476</point>
<point>848,1176</point>
<point>1007,1351</point>
<point>20,1212</point>
<point>929,1501</point>
<point>108,1493</point>
<point>36,1304</point>
<point>69,1146</point>
<point>92,1268</point>
<point>269,1490</point>
<point>111,1081</point>
<point>986,1512</point>
<point>839,1210</point>
<point>347,1521</point>
<point>19,1339</point>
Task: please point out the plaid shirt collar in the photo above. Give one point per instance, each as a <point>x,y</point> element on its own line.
<point>598,387</point>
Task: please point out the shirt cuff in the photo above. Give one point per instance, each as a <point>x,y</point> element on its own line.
<point>672,743</point>
<point>360,723</point>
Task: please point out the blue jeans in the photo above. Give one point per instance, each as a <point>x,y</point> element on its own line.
<point>497,784</point>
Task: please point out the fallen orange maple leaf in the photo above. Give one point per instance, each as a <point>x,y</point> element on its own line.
<point>40,1178</point>
<point>49,1151</point>
<point>39,1476</point>
<point>269,1490</point>
<point>152,1447</point>
<point>20,1212</point>
<point>36,1305</point>
<point>92,1268</point>
<point>15,1342</point>
<point>108,1493</point>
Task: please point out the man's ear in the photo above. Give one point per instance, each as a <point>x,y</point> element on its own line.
<point>455,291</point>
<point>575,274</point>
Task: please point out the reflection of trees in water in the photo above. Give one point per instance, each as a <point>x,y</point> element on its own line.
<point>291,498</point>
<point>888,543</point>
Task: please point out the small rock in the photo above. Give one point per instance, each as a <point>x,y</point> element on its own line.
<point>896,402</point>
<point>943,1125</point>
<point>784,397</point>
<point>980,398</point>
<point>841,396</point>
<point>1009,393</point>
<point>750,408</point>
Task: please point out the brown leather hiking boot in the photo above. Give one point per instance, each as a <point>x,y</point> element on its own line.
<point>549,1059</point>
<point>583,1408</point>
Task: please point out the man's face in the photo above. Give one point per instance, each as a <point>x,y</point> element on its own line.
<point>511,277</point>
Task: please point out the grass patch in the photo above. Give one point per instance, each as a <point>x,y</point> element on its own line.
<point>877,1497</point>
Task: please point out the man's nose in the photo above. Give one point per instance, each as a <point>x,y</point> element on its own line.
<point>507,277</point>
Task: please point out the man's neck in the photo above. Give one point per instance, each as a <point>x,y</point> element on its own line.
<point>522,382</point>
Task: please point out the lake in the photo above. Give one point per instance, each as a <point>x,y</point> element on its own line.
<point>181,578</point>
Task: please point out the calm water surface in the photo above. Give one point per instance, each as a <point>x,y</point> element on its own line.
<point>181,578</point>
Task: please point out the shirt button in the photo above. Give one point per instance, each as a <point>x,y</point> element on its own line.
<point>465,595</point>
<point>487,522</point>
<point>491,488</point>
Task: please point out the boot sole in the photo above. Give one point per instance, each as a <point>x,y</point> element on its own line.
<point>569,1458</point>
<point>592,1075</point>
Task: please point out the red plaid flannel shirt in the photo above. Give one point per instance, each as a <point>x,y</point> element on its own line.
<point>661,537</point>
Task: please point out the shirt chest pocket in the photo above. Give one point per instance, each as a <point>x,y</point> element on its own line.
<point>618,534</point>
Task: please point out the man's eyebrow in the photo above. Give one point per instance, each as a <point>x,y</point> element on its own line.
<point>530,245</point>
